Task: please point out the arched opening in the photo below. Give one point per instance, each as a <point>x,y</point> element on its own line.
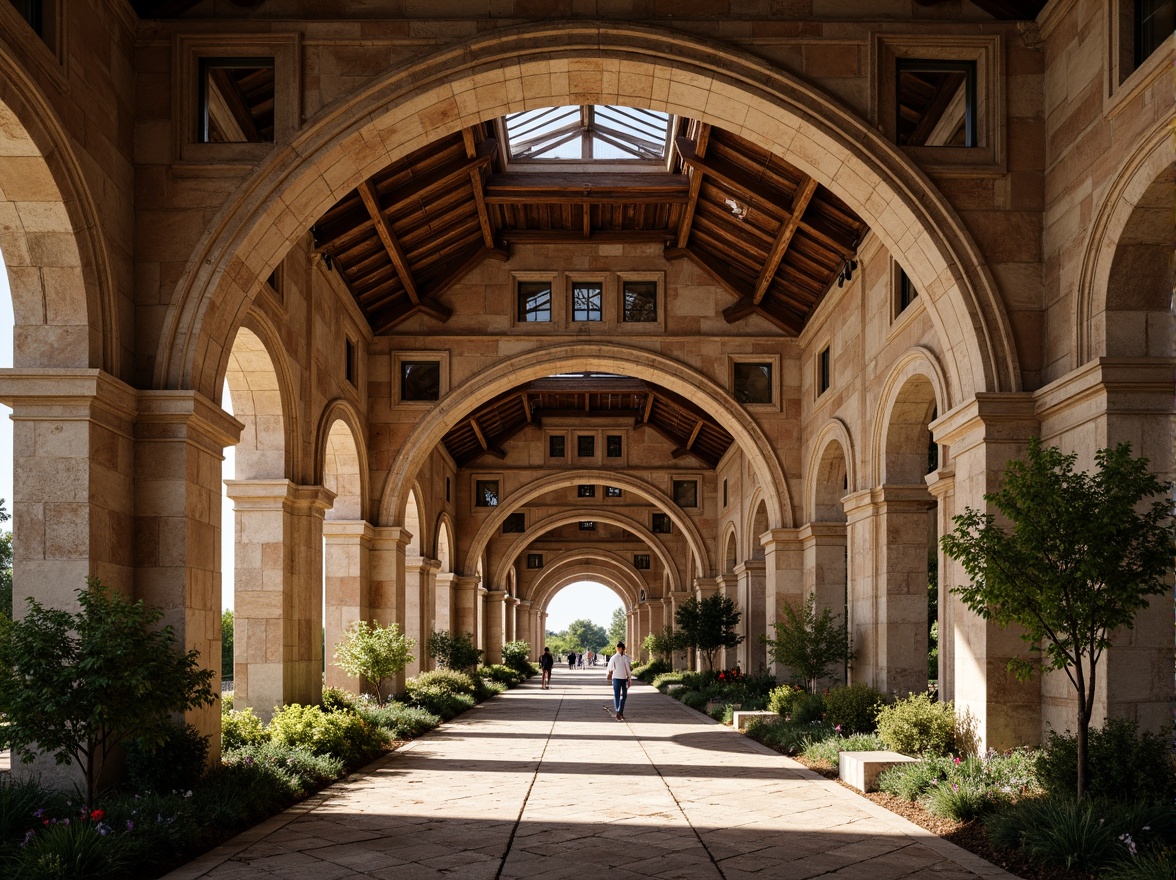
<point>412,523</point>
<point>730,556</point>
<point>826,545</point>
<point>343,602</point>
<point>581,619</point>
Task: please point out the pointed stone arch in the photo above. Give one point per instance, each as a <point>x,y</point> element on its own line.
<point>564,479</point>
<point>510,70</point>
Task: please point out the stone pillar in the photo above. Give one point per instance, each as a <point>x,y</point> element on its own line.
<point>825,576</point>
<point>418,607</point>
<point>752,593</point>
<point>347,569</point>
<point>783,579</point>
<point>495,601</point>
<point>982,436</point>
<point>444,601</point>
<point>901,589</point>
<point>729,587</point>
<point>278,597</point>
<point>512,623</point>
<point>541,624</point>
<point>466,618</point>
<point>525,630</point>
<point>179,441</point>
<point>681,659</point>
<point>387,582</point>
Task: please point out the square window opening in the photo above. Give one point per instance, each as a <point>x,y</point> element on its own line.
<point>639,302</point>
<point>236,101</point>
<point>686,493</point>
<point>514,524</point>
<point>752,382</point>
<point>641,561</point>
<point>534,560</point>
<point>1155,20</point>
<point>907,293</point>
<point>420,380</point>
<point>587,525</point>
<point>585,491</point>
<point>935,103</point>
<point>486,493</point>
<point>612,492</point>
<point>557,447</point>
<point>724,493</point>
<point>612,446</point>
<point>351,364</point>
<point>587,301</point>
<point>585,446</point>
<point>448,490</point>
<point>660,524</point>
<point>534,298</point>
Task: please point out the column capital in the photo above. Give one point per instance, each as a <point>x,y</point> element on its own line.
<point>707,586</point>
<point>259,494</point>
<point>391,538</point>
<point>729,580</point>
<point>987,417</point>
<point>496,595</point>
<point>343,531</point>
<point>525,603</point>
<point>421,564</point>
<point>815,534</point>
<point>775,539</point>
<point>750,566</point>
<point>467,582</point>
<point>941,482</point>
<point>315,500</point>
<point>59,390</point>
<point>185,415</point>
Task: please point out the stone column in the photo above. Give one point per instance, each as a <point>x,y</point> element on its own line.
<point>278,597</point>
<point>681,659</point>
<point>495,601</point>
<point>825,576</point>
<point>982,436</point>
<point>783,579</point>
<point>512,623</point>
<point>465,620</point>
<point>347,570</point>
<point>418,623</point>
<point>387,582</point>
<point>752,592</point>
<point>729,587</point>
<point>179,441</point>
<point>541,623</point>
<point>525,630</point>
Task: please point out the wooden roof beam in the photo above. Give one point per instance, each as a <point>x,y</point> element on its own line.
<point>800,200</point>
<point>496,452</point>
<point>739,310</point>
<point>467,136</point>
<point>695,186</point>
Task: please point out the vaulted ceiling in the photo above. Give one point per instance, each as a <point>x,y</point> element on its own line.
<point>690,429</point>
<point>773,237</point>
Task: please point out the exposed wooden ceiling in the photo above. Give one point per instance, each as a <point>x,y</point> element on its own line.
<point>771,236</point>
<point>690,429</point>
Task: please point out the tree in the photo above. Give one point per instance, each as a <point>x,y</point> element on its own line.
<point>584,635</point>
<point>6,608</point>
<point>709,625</point>
<point>374,652</point>
<point>665,643</point>
<point>453,650</point>
<point>227,645</point>
<point>1081,558</point>
<point>81,684</point>
<point>618,628</point>
<point>558,642</point>
<point>809,643</point>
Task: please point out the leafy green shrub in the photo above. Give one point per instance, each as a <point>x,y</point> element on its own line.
<point>694,699</point>
<point>176,764</point>
<point>917,726</point>
<point>787,736</point>
<point>962,801</point>
<point>241,728</point>
<point>504,675</point>
<point>649,671</point>
<point>781,698</point>
<point>342,735</point>
<point>439,701</point>
<point>453,650</point>
<point>514,655</point>
<point>666,680</point>
<point>339,700</point>
<point>239,793</point>
<point>312,771</point>
<point>401,721</point>
<point>19,797</point>
<point>854,708</point>
<point>829,750</point>
<point>1124,764</point>
<point>445,680</point>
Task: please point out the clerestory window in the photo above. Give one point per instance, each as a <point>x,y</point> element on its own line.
<point>588,132</point>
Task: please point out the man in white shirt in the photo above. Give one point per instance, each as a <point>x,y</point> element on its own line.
<point>620,673</point>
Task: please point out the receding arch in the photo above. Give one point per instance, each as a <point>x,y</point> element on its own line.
<point>731,551</point>
<point>757,524</point>
<point>603,566</point>
<point>341,461</point>
<point>526,67</point>
<point>1152,157</point>
<point>64,294</point>
<point>444,551</point>
<point>259,386</point>
<point>830,474</point>
<point>414,518</point>
<point>564,479</point>
<point>912,392</point>
<point>605,516</point>
<point>599,357</point>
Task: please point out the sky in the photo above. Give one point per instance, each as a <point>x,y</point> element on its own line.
<point>580,600</point>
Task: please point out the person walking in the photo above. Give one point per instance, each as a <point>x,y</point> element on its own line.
<point>571,659</point>
<point>580,660</point>
<point>620,673</point>
<point>546,663</point>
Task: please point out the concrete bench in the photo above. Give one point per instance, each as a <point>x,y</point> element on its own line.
<point>740,719</point>
<point>861,769</point>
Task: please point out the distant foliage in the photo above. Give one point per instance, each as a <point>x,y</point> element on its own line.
<point>227,645</point>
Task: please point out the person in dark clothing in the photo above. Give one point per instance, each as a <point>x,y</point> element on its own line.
<point>571,659</point>
<point>546,663</point>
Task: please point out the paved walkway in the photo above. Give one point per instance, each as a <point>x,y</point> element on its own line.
<point>544,784</point>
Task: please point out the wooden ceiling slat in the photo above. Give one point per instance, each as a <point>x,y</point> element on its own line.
<point>576,187</point>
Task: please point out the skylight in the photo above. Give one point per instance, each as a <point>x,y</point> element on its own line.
<point>589,132</point>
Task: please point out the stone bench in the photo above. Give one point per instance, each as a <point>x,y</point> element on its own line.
<point>861,769</point>
<point>740,719</point>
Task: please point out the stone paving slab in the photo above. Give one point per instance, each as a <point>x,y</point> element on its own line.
<point>543,785</point>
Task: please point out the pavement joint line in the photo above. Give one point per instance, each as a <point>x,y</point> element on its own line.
<point>527,797</point>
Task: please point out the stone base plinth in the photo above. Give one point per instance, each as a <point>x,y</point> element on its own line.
<point>861,769</point>
<point>740,720</point>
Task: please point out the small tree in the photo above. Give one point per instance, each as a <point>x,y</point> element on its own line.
<point>515,654</point>
<point>709,625</point>
<point>374,652</point>
<point>1080,560</point>
<point>80,685</point>
<point>665,643</point>
<point>227,645</point>
<point>618,627</point>
<point>454,651</point>
<point>809,643</point>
